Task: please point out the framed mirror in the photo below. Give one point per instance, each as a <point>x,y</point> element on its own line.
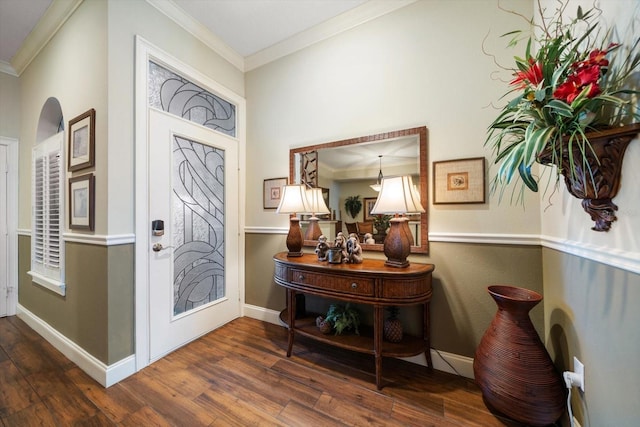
<point>350,168</point>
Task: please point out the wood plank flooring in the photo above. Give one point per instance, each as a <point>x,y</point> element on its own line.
<point>237,375</point>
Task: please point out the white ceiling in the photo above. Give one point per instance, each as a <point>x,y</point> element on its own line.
<point>247,26</point>
<point>17,19</point>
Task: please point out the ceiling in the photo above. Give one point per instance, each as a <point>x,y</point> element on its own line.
<point>246,26</point>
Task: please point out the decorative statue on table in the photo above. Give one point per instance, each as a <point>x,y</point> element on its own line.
<point>341,243</point>
<point>322,247</point>
<point>368,239</point>
<point>354,250</point>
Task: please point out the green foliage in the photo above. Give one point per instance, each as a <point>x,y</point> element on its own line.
<point>576,81</point>
<point>343,318</point>
<point>382,222</point>
<point>353,205</point>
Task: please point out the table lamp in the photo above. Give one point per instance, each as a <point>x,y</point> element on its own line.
<point>294,200</point>
<point>397,196</point>
<point>316,205</point>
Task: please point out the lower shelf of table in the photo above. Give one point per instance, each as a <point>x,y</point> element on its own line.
<point>363,343</point>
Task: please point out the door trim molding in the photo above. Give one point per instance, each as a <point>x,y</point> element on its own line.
<point>12,223</point>
<point>145,52</point>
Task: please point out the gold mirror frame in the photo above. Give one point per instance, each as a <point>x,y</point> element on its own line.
<point>421,133</point>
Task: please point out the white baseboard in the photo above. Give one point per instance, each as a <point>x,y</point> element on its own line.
<point>105,375</point>
<point>442,361</point>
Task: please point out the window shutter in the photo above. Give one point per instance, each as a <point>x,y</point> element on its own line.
<point>48,195</point>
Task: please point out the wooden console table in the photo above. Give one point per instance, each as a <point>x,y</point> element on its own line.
<point>370,283</point>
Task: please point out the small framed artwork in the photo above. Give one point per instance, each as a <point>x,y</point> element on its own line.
<point>369,203</point>
<point>81,202</point>
<point>82,135</point>
<point>459,181</point>
<point>272,192</point>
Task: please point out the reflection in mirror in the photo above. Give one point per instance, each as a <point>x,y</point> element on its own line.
<point>350,169</point>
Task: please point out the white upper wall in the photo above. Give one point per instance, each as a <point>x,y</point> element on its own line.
<point>420,65</point>
<point>563,218</point>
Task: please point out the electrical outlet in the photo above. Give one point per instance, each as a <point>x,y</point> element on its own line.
<point>578,368</point>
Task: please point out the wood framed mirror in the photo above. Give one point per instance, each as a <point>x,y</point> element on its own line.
<point>349,168</point>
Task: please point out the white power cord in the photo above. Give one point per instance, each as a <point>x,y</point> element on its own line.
<point>568,380</point>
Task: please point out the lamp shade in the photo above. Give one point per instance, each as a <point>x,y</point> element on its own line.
<point>397,196</point>
<point>293,200</point>
<point>315,200</point>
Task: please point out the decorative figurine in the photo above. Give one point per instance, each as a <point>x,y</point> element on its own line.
<point>341,242</point>
<point>368,239</point>
<point>322,247</point>
<point>354,250</point>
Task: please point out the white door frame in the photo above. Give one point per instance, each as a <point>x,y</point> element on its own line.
<point>12,222</point>
<point>145,52</point>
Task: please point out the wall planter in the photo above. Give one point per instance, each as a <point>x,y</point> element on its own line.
<point>596,182</point>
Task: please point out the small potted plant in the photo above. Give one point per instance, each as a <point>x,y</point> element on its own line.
<point>343,318</point>
<point>381,223</point>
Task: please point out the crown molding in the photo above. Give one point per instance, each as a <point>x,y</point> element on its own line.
<point>359,15</point>
<point>52,20</point>
<point>199,31</point>
<point>6,68</point>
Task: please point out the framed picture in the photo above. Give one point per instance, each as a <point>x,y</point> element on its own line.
<point>369,203</point>
<point>272,192</point>
<point>82,136</point>
<point>81,202</point>
<point>459,181</point>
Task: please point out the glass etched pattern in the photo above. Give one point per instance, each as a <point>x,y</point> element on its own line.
<point>198,224</point>
<point>176,95</point>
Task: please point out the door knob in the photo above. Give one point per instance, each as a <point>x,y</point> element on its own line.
<point>157,247</point>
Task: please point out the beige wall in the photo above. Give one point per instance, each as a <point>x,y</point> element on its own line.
<point>420,65</point>
<point>592,313</point>
<point>9,106</point>
<point>97,311</point>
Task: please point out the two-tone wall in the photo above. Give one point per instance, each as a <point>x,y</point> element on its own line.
<point>89,63</point>
<point>432,63</point>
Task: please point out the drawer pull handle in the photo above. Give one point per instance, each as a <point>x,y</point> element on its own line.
<point>301,277</point>
<point>354,285</point>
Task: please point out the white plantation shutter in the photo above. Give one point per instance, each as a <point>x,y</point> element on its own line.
<point>48,214</point>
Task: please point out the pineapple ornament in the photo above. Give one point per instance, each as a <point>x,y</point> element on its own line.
<point>392,328</point>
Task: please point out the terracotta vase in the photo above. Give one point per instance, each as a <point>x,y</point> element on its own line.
<point>599,183</point>
<point>512,367</point>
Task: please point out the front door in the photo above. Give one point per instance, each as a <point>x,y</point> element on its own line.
<point>194,226</point>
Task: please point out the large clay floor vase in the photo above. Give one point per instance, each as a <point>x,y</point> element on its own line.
<point>512,367</point>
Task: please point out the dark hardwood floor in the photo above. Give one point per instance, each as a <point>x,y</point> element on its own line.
<point>237,375</point>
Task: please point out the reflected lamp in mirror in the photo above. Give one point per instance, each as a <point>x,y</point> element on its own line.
<point>293,201</point>
<point>316,205</point>
<point>398,196</point>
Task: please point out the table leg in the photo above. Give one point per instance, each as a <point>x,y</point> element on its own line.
<point>427,334</point>
<point>291,312</point>
<point>378,321</point>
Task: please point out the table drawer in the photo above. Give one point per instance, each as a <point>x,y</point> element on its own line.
<point>342,284</point>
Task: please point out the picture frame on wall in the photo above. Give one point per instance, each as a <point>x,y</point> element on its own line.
<point>459,181</point>
<point>369,203</point>
<point>82,135</point>
<point>272,192</point>
<point>82,202</point>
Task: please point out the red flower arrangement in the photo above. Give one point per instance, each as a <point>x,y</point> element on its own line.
<point>575,82</point>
